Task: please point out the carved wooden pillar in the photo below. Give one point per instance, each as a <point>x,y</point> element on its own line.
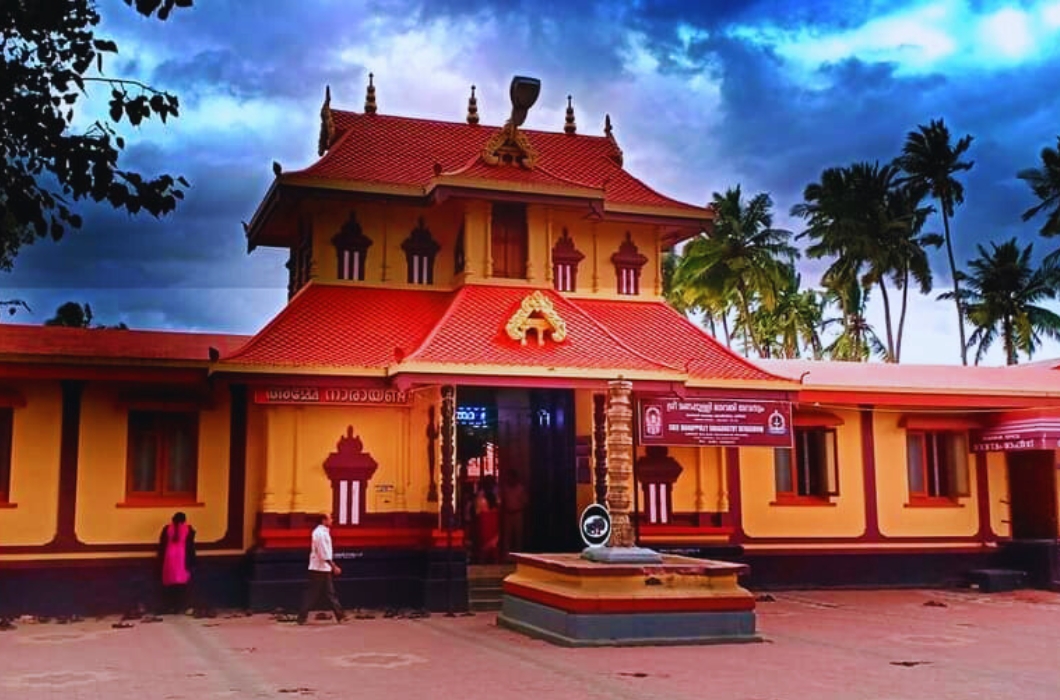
<point>620,462</point>
<point>600,447</point>
<point>448,452</point>
<point>432,440</point>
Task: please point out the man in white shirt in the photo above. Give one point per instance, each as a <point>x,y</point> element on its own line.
<point>322,570</point>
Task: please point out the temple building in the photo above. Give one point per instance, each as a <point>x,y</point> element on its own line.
<point>459,297</point>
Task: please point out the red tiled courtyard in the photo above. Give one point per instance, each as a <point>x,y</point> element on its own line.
<point>879,645</point>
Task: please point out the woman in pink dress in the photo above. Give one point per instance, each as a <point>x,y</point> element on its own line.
<point>176,554</point>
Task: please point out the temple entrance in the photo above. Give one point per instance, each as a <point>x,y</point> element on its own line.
<point>1035,548</point>
<point>516,471</point>
<point>1032,494</point>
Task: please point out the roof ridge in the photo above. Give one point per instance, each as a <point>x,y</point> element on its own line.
<point>258,337</point>
<point>461,123</point>
<point>657,193</point>
<point>723,348</point>
<point>609,333</point>
<point>446,315</point>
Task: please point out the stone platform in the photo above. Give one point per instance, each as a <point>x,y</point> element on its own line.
<point>568,600</point>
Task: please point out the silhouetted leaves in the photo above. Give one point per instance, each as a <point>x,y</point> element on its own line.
<point>49,55</point>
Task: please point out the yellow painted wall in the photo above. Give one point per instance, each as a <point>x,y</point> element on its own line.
<point>387,226</point>
<point>297,439</point>
<point>701,486</point>
<point>101,475</point>
<point>583,425</point>
<point>34,466</point>
<point>256,462</point>
<point>997,474</point>
<point>897,519</point>
<point>844,518</point>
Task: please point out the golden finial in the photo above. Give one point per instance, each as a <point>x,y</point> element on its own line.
<point>607,125</point>
<point>472,108</point>
<point>569,127</point>
<point>327,123</point>
<point>369,98</point>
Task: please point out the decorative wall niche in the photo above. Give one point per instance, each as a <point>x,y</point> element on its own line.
<point>565,259</point>
<point>350,469</point>
<point>420,250</point>
<point>351,250</point>
<point>628,262</point>
<point>657,471</point>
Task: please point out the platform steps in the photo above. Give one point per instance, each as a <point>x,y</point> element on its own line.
<point>997,580</point>
<point>484,586</point>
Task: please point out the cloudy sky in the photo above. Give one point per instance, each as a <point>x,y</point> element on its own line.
<point>703,95</point>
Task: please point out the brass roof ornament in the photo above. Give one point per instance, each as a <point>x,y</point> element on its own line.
<point>472,108</point>
<point>509,145</point>
<point>536,314</point>
<point>369,97</point>
<point>607,126</point>
<point>569,126</point>
<point>327,124</point>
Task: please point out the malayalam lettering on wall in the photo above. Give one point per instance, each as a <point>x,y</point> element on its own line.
<point>722,422</point>
<point>330,396</point>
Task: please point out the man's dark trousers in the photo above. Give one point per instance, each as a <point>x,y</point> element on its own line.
<point>321,585</point>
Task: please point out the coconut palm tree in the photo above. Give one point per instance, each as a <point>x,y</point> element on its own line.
<point>1045,182</point>
<point>871,226</point>
<point>1002,293</point>
<point>930,159</point>
<point>793,325</point>
<point>744,256</point>
<point>857,340</point>
<point>691,299</point>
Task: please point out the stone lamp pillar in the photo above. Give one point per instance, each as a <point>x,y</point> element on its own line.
<point>621,547</point>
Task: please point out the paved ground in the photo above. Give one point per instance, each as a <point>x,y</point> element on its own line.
<point>882,645</point>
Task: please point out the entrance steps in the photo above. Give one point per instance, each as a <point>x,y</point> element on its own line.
<point>484,586</point>
<point>997,580</point>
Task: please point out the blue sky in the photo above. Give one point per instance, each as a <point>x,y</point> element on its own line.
<point>703,96</point>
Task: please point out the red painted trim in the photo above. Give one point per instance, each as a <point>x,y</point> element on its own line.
<point>123,373</point>
<point>868,462</point>
<point>982,492</point>
<point>847,398</point>
<point>11,398</point>
<point>69,456</point>
<point>947,423</point>
<point>581,567</point>
<point>134,501</point>
<point>361,537</point>
<point>932,502</point>
<point>801,501</point>
<point>732,476</point>
<point>8,504</point>
<point>955,548</point>
<point>618,605</point>
<point>804,418</point>
<point>846,541</point>
<point>657,530</point>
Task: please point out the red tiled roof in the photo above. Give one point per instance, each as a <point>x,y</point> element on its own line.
<point>656,328</point>
<point>393,150</point>
<point>19,340</point>
<point>344,326</point>
<point>913,379</point>
<point>472,333</point>
<point>355,327</point>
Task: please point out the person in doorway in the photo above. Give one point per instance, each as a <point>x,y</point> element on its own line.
<point>176,560</point>
<point>487,516</point>
<point>513,504</point>
<point>322,573</point>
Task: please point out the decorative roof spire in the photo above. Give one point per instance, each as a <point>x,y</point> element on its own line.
<point>327,124</point>
<point>617,155</point>
<point>607,125</point>
<point>569,127</point>
<point>472,108</point>
<point>369,97</point>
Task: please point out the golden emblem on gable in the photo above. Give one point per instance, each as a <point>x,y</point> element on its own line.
<point>509,145</point>
<point>537,314</point>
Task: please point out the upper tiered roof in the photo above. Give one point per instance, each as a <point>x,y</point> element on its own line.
<point>378,154</point>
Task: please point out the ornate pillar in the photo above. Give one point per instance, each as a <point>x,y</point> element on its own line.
<point>432,440</point>
<point>620,462</point>
<point>600,447</point>
<point>448,452</point>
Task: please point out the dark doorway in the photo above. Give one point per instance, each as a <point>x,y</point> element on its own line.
<point>1032,494</point>
<point>518,443</point>
<point>508,240</point>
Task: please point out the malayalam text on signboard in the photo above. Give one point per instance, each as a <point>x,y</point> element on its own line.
<point>723,421</point>
<point>329,395</point>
